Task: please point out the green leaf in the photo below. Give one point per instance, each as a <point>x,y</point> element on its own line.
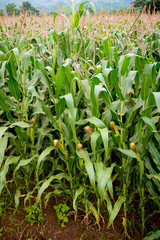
<point>155,235</point>
<point>129,153</point>
<point>128,82</point>
<point>86,89</point>
<point>75,20</point>
<point>107,47</point>
<point>72,112</point>
<point>20,124</point>
<point>51,71</point>
<point>151,171</point>
<point>65,219</point>
<point>139,129</point>
<point>17,197</point>
<point>3,47</point>
<point>109,204</point>
<point>78,192</point>
<point>146,81</point>
<point>89,18</point>
<point>94,139</point>
<point>89,166</point>
<point>69,101</point>
<point>92,209</point>
<point>60,80</point>
<point>17,57</point>
<point>150,176</point>
<point>125,64</point>
<point>48,113</point>
<point>46,80</point>
<point>47,182</point>
<point>54,17</point>
<point>23,163</point>
<point>157,99</point>
<point>116,84</point>
<point>13,84</point>
<point>103,175</point>
<point>42,156</point>
<point>2,71</point>
<point>2,56</point>
<point>97,122</point>
<point>14,88</point>
<point>4,101</point>
<point>116,209</point>
<point>63,225</point>
<point>149,122</point>
<point>10,160</point>
<point>104,133</point>
<point>110,187</point>
<point>95,91</point>
<point>153,193</point>
<point>94,8</point>
<point>3,146</point>
<point>7,101</point>
<point>3,130</point>
<point>154,153</point>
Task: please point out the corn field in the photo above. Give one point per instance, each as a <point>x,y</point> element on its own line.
<point>80,116</point>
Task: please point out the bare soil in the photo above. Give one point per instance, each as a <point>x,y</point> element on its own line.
<point>14,227</point>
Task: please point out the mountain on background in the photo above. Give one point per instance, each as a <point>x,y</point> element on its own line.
<point>50,5</point>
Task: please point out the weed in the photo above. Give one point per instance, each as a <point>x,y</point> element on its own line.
<point>34,214</point>
<point>61,211</point>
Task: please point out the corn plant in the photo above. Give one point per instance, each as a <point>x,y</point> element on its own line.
<point>79,113</point>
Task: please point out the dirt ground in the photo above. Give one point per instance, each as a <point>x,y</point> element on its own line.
<point>14,227</point>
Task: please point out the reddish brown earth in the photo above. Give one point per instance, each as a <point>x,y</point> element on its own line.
<point>15,228</point>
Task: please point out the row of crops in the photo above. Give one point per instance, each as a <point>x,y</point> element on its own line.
<point>80,115</point>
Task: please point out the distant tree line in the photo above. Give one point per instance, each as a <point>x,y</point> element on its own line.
<point>151,5</point>
<point>26,7</point>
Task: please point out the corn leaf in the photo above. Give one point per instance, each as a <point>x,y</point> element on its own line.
<point>89,166</point>
<point>115,210</point>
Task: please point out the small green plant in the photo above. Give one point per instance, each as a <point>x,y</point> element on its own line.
<point>34,215</point>
<point>61,211</point>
